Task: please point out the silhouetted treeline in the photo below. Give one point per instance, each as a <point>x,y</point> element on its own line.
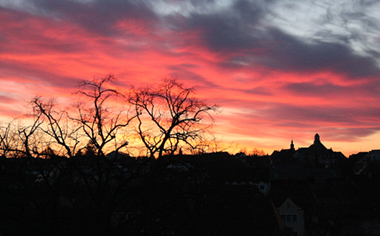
<point>147,121</point>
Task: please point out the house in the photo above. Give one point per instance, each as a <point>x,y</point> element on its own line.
<point>373,156</point>
<point>292,216</point>
<point>367,164</point>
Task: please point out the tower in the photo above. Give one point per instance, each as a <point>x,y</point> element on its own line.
<point>316,139</point>
<point>292,145</point>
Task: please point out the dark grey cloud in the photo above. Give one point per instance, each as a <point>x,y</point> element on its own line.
<point>260,90</point>
<point>313,114</point>
<point>311,89</point>
<point>26,35</point>
<point>97,16</point>
<point>325,115</point>
<point>329,90</point>
<point>252,11</point>
<point>284,52</point>
<point>229,30</point>
<point>289,53</point>
<point>222,34</point>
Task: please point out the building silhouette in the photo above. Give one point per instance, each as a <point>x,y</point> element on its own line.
<point>316,155</point>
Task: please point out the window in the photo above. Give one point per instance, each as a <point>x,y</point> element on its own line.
<point>294,217</point>
<point>289,218</point>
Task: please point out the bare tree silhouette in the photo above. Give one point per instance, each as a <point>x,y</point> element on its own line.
<point>57,126</point>
<point>169,116</point>
<point>100,121</point>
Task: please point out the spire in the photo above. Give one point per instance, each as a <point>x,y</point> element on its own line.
<point>292,145</point>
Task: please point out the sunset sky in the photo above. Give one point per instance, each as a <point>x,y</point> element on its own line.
<point>278,69</point>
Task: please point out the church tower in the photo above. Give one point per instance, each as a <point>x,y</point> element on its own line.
<point>317,139</point>
<point>292,145</point>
